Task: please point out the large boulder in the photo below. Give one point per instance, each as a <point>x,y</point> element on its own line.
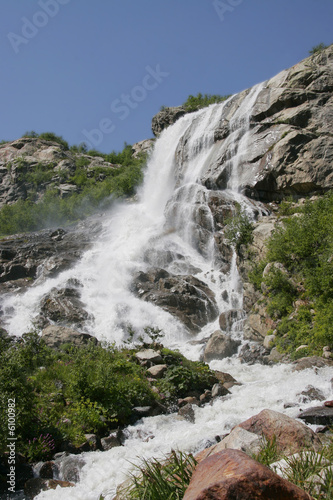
<point>290,434</point>
<point>238,439</point>
<point>231,474</point>
<point>55,336</point>
<point>63,306</point>
<point>185,297</point>
<point>220,346</point>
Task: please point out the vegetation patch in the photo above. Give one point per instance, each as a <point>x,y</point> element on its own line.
<point>63,394</point>
<point>299,285</point>
<point>193,103</point>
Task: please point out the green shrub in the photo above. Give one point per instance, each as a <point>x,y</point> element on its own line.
<point>304,245</point>
<point>239,229</point>
<point>317,48</point>
<point>193,103</point>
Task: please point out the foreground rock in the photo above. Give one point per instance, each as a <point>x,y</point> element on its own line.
<point>291,436</point>
<point>231,474</point>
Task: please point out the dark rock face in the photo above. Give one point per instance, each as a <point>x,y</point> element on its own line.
<point>319,415</point>
<point>63,307</point>
<point>43,254</point>
<point>185,297</point>
<point>166,117</point>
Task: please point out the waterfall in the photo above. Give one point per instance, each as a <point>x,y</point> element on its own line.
<point>172,227</point>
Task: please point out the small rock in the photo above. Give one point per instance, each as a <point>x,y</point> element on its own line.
<point>110,441</point>
<point>187,413</point>
<point>157,371</point>
<point>149,355</point>
<point>219,390</point>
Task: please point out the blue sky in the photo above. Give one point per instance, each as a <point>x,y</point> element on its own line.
<point>98,70</point>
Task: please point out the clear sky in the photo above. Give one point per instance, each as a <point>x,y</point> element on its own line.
<point>98,70</point>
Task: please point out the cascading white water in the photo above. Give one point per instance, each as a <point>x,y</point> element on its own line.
<point>171,227</point>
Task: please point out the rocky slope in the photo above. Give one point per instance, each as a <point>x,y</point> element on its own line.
<point>290,150</point>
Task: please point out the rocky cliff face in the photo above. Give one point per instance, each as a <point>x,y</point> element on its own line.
<point>290,149</point>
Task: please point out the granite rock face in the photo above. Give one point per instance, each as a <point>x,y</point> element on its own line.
<point>290,148</point>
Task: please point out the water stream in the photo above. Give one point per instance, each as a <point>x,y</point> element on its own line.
<point>163,229</point>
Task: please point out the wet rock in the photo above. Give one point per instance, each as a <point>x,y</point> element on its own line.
<point>185,297</point>
<point>48,470</point>
<point>238,439</point>
<point>63,307</point>
<point>34,486</point>
<point>228,318</point>
<point>69,466</point>
<point>43,254</point>
<point>219,390</point>
<point>188,400</point>
<point>55,336</point>
<point>110,441</point>
<point>310,362</point>
<point>187,413</point>
<point>319,415</point>
<point>254,353</point>
<point>291,435</point>
<point>220,346</point>
<point>311,394</point>
<point>232,474</point>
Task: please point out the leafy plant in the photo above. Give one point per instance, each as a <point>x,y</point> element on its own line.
<point>40,448</point>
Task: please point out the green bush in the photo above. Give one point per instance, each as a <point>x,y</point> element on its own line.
<point>193,103</point>
<point>304,245</point>
<point>239,229</point>
<point>317,48</point>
